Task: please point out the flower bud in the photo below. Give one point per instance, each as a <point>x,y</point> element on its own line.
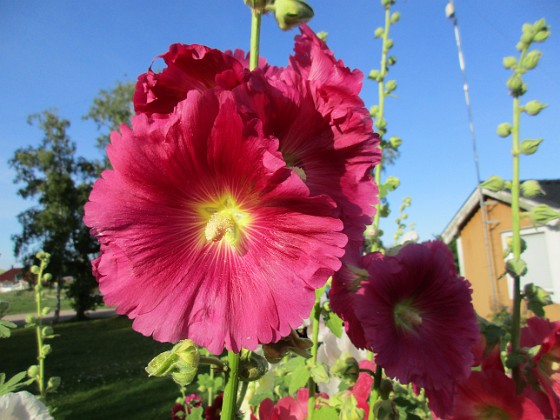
<point>322,36</point>
<point>504,129</point>
<point>34,269</point>
<point>374,74</point>
<point>53,383</point>
<point>389,44</point>
<point>29,319</point>
<point>516,86</point>
<point>529,147</point>
<point>516,267</point>
<point>395,17</point>
<point>543,214</point>
<point>381,124</point>
<point>531,188</point>
<point>385,388</point>
<point>395,142</point>
<point>257,4</point>
<point>392,60</point>
<point>33,371</point>
<point>181,363</point>
<point>534,107</point>
<point>531,60</point>
<point>374,110</point>
<point>253,368</point>
<point>47,277</point>
<point>379,32</point>
<point>494,183</point>
<point>390,86</point>
<point>47,332</point>
<point>46,349</point>
<point>542,31</point>
<point>291,13</point>
<point>387,3</point>
<point>346,369</point>
<point>45,311</point>
<point>509,62</point>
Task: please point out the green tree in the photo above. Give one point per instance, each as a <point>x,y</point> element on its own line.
<point>110,109</point>
<point>60,182</point>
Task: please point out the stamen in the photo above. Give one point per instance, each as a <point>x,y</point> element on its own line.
<point>218,225</point>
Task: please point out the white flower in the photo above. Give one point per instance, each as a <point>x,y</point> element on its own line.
<point>22,406</point>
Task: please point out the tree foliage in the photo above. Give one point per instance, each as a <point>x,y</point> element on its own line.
<point>60,182</point>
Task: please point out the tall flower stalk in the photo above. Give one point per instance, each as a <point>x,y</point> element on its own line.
<point>515,266</point>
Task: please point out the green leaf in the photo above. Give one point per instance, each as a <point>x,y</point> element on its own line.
<point>6,328</point>
<point>320,373</point>
<point>528,147</point>
<point>13,384</point>
<point>298,378</point>
<point>197,413</point>
<point>325,413</point>
<point>333,323</point>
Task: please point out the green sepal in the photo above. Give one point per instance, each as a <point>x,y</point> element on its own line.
<point>537,298</point>
<point>53,383</point>
<point>181,362</point>
<point>516,85</point>
<point>374,74</point>
<point>395,17</point>
<point>390,86</point>
<point>494,183</point>
<point>378,32</point>
<point>516,267</point>
<point>45,311</point>
<point>291,13</point>
<point>531,188</point>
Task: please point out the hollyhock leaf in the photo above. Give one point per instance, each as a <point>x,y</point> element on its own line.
<point>319,372</point>
<point>195,414</point>
<point>298,378</point>
<point>350,410</point>
<point>325,413</point>
<point>333,323</point>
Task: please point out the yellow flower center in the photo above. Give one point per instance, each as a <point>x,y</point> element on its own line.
<point>224,220</point>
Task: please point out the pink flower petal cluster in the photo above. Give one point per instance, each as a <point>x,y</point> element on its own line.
<point>545,365</point>
<point>415,312</point>
<point>287,408</point>
<point>232,197</point>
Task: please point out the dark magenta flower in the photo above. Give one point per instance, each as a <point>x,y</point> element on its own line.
<point>287,408</point>
<point>417,317</point>
<point>205,234</point>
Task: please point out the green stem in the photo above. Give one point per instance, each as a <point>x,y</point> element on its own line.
<point>315,316</point>
<point>374,396</point>
<point>516,240</point>
<point>255,38</point>
<point>230,392</point>
<point>38,332</point>
<point>379,117</point>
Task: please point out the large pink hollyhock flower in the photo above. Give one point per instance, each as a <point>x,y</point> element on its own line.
<point>418,318</point>
<point>491,394</point>
<point>205,234</point>
<point>311,106</point>
<point>546,363</point>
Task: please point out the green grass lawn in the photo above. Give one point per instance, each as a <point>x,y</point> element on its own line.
<point>23,301</point>
<point>101,363</point>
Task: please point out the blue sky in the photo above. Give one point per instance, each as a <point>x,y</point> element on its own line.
<point>59,54</point>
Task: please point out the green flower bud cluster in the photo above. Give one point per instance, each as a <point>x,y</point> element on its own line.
<point>181,363</point>
<point>346,369</point>
<point>252,367</point>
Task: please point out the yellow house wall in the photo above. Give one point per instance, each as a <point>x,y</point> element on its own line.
<point>476,267</point>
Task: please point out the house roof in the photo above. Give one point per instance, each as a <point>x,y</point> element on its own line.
<point>10,274</point>
<point>551,197</point>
